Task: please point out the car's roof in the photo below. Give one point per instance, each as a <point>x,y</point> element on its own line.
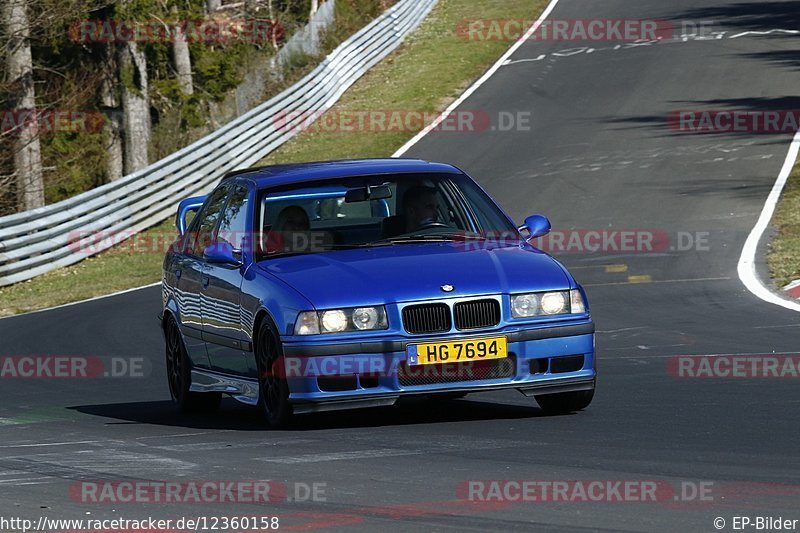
<point>320,170</point>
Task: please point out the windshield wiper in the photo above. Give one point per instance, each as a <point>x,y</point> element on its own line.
<point>434,237</point>
<point>416,238</point>
<point>326,248</point>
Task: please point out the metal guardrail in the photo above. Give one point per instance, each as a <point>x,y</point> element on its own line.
<point>44,239</point>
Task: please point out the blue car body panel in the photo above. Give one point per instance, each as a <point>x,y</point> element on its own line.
<point>218,307</point>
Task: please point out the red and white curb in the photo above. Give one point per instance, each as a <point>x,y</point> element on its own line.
<point>793,289</point>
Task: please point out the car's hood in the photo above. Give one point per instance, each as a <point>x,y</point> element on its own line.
<point>411,272</point>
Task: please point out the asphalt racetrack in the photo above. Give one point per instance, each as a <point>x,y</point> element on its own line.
<point>598,156</point>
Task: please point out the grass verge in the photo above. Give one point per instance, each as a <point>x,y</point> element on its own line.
<point>132,264</point>
<point>430,70</point>
<point>783,257</point>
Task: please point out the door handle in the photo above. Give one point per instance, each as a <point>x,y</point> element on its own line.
<point>178,273</point>
<point>205,281</point>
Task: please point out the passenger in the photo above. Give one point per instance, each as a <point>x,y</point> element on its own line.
<point>292,218</point>
<point>291,224</point>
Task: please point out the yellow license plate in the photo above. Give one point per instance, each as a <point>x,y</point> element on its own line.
<point>457,352</point>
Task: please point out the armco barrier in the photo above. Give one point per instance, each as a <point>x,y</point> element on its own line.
<point>37,241</point>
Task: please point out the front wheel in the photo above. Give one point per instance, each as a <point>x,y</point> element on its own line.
<point>273,388</point>
<point>179,375</point>
<point>565,402</point>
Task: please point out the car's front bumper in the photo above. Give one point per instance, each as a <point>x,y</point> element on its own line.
<point>542,360</point>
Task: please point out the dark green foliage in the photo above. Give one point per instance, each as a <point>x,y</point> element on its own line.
<point>68,74</point>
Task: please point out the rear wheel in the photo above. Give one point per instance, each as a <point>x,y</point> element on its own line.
<point>273,388</point>
<point>179,375</point>
<point>565,402</point>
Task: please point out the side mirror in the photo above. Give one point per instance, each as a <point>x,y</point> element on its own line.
<point>222,253</point>
<point>188,205</point>
<point>537,226</point>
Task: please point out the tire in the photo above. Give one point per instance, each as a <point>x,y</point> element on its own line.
<point>565,402</point>
<point>179,375</point>
<point>273,390</point>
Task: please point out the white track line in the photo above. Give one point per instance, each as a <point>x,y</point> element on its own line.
<point>400,152</point>
<point>488,74</point>
<point>746,267</point>
<point>46,444</point>
<point>747,261</point>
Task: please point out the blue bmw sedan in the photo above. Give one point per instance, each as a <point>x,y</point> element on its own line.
<point>343,284</point>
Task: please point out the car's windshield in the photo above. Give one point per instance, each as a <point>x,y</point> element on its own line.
<point>376,210</point>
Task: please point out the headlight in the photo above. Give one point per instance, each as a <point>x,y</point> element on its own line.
<point>339,320</point>
<point>547,303</point>
<point>365,318</point>
<point>334,321</point>
<point>524,305</point>
<point>554,303</point>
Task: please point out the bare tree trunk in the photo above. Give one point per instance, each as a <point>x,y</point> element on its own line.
<point>213,5</point>
<point>27,150</point>
<point>314,8</point>
<point>135,106</point>
<point>182,59</point>
<point>271,12</point>
<point>113,128</point>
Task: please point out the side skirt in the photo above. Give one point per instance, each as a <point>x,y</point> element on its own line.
<point>241,389</point>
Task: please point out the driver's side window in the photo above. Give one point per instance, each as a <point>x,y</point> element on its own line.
<point>202,234</point>
<point>234,219</point>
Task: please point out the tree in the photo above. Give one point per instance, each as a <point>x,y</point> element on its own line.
<point>135,105</point>
<point>26,146</point>
<point>181,57</point>
<point>113,128</point>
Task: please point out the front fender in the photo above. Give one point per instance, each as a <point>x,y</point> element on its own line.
<point>263,291</point>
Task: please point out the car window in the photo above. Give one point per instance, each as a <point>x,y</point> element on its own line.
<point>490,218</point>
<point>233,223</point>
<point>202,233</point>
<point>318,216</point>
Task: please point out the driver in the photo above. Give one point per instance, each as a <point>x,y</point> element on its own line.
<point>421,206</point>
